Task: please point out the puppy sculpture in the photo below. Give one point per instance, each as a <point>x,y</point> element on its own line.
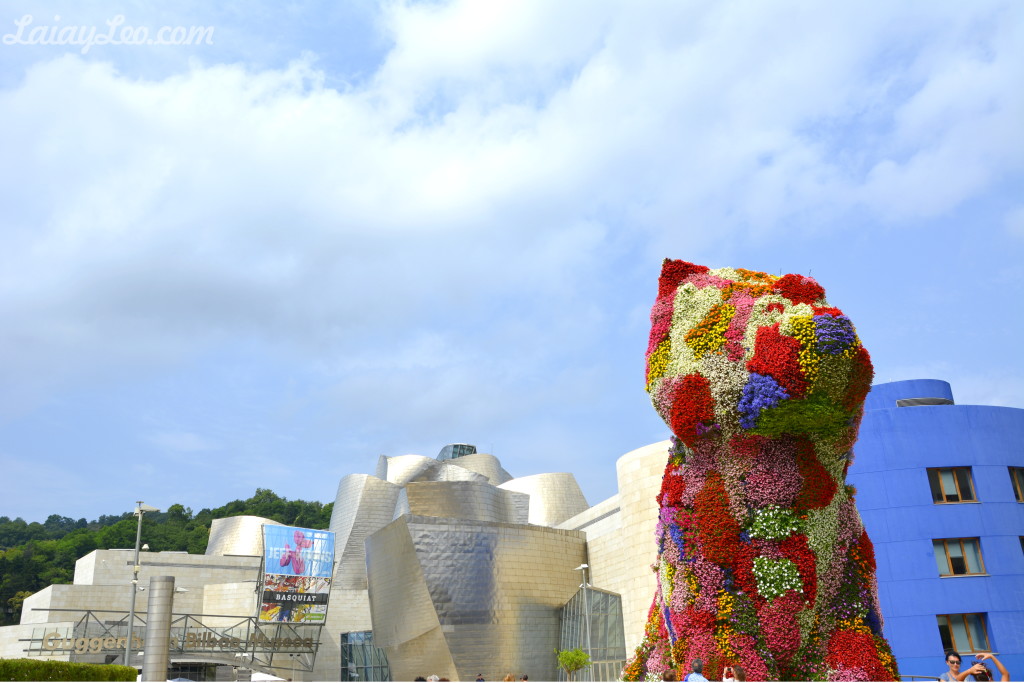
<point>762,558</point>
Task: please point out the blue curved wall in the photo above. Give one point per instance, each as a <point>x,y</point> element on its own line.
<point>895,447</point>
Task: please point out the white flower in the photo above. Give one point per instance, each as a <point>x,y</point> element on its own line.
<point>773,522</point>
<point>776,577</point>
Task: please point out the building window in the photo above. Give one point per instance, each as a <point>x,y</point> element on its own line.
<point>361,660</point>
<point>1017,477</point>
<point>592,619</point>
<point>951,485</point>
<point>963,632</point>
<point>958,556</point>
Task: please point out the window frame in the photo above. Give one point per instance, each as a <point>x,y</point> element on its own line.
<point>963,552</point>
<point>1017,480</point>
<point>959,647</point>
<point>956,482</point>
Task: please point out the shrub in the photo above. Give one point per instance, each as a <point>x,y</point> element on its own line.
<point>40,670</point>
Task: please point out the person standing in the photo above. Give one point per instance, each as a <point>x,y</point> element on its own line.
<point>980,672</point>
<point>953,662</point>
<point>696,671</point>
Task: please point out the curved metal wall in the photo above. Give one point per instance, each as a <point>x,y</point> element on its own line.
<point>403,469</point>
<point>471,500</point>
<point>362,505</point>
<point>485,464</point>
<point>896,446</point>
<point>458,597</point>
<point>554,497</point>
<point>242,535</point>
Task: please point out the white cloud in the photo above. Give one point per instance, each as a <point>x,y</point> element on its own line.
<point>163,213</point>
<point>482,200</point>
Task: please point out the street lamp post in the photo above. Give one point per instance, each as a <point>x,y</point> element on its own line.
<point>140,509</point>
<point>586,602</point>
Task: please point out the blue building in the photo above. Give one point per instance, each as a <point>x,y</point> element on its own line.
<point>941,492</point>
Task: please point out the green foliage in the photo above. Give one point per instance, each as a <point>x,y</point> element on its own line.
<point>815,416</point>
<point>36,670</point>
<point>572,661</point>
<point>34,555</point>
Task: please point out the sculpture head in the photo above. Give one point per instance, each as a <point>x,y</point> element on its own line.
<point>735,352</point>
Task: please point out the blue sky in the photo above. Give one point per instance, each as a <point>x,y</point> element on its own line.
<point>336,230</point>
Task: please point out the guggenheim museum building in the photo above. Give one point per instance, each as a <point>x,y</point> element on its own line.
<point>444,566</point>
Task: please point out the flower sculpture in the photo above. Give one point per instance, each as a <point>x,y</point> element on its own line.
<point>762,557</point>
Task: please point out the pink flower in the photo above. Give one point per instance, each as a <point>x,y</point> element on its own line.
<point>775,478</point>
<point>850,527</point>
<point>702,280</point>
<point>845,674</point>
<point>661,321</point>
<point>709,578</point>
<point>744,304</point>
<point>779,625</point>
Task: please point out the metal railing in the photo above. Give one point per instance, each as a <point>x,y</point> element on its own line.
<point>233,640</point>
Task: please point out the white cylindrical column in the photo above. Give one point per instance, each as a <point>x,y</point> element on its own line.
<point>156,661</point>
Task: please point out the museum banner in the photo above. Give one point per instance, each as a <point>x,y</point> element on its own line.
<point>297,569</point>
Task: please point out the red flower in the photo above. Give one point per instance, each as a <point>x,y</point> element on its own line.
<point>796,549</point>
<point>860,379</point>
<point>746,445</point>
<point>779,625</point>
<point>864,554</point>
<point>717,530</point>
<point>692,622</point>
<point>674,272</point>
<point>690,405</point>
<point>827,310</point>
<point>853,650</point>
<point>673,487</point>
<point>819,487</point>
<point>799,289</point>
<point>775,308</point>
<point>743,572</point>
<point>779,356</point>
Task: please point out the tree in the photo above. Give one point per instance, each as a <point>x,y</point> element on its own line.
<point>572,661</point>
<point>179,513</point>
<point>16,601</point>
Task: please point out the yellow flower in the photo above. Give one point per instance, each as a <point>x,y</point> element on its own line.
<point>657,362</point>
<point>708,336</point>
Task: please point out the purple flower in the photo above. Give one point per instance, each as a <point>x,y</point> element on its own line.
<point>760,392</point>
<point>834,333</point>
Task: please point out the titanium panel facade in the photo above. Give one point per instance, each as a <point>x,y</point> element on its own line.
<point>363,505</point>
<point>403,469</point>
<point>470,500</point>
<point>485,464</point>
<point>554,497</point>
<point>620,536</point>
<point>485,596</point>
<point>241,535</point>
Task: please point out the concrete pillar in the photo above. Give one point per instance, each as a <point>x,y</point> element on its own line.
<point>158,628</point>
